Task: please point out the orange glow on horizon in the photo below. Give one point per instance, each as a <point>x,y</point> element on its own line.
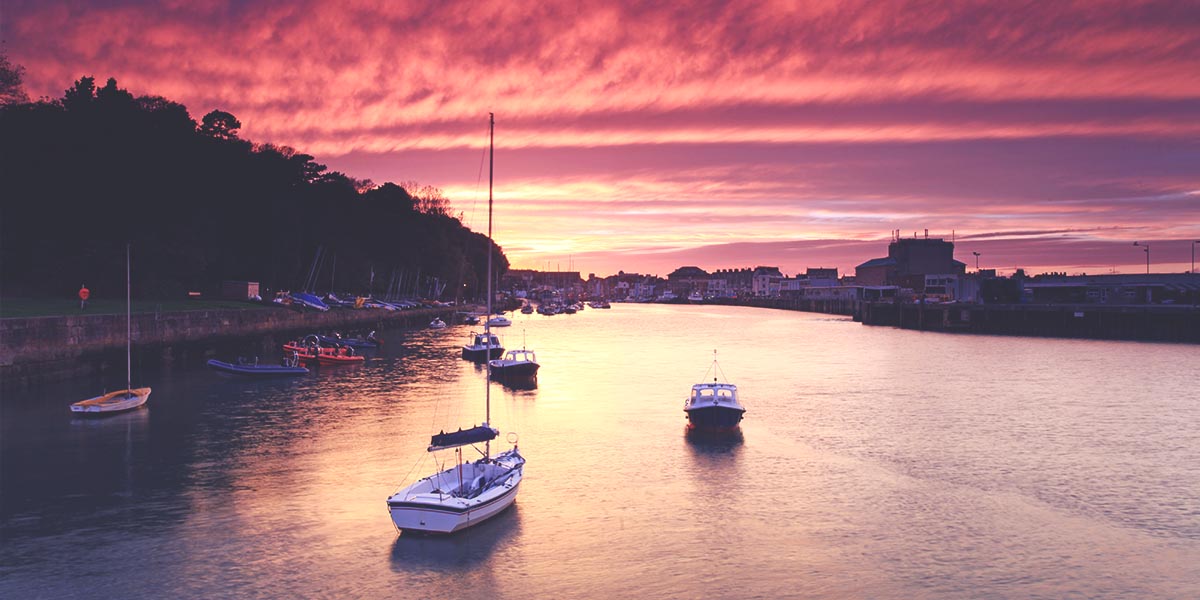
<point>633,135</point>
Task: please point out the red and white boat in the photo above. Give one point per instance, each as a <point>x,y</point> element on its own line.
<point>310,351</point>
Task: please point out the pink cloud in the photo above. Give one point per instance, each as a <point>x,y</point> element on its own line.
<point>672,127</point>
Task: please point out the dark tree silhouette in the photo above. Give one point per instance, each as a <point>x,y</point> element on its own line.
<point>84,174</point>
<point>80,95</point>
<point>11,78</point>
<point>220,124</point>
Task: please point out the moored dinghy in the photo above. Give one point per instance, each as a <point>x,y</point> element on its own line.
<point>483,347</point>
<point>290,365</point>
<point>130,397</point>
<point>516,365</point>
<point>112,402</point>
<point>714,406</point>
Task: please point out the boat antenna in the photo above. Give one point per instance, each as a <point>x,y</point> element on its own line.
<point>487,323</point>
<point>128,326</point>
<point>715,368</point>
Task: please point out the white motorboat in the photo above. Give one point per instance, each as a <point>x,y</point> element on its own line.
<point>516,365</point>
<point>499,321</point>
<point>466,493</point>
<point>483,347</point>
<point>437,323</point>
<point>714,406</point>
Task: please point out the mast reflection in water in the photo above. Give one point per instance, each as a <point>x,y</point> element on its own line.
<point>874,462</point>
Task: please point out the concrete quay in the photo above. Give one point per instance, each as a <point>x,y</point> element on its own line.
<point>39,349</point>
<point>1139,322</point>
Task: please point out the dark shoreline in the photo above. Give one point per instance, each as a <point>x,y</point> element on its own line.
<point>39,349</point>
<point>1129,322</point>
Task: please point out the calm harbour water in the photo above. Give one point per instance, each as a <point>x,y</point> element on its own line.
<point>873,463</point>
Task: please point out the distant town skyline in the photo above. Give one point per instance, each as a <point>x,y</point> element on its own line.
<point>1045,136</point>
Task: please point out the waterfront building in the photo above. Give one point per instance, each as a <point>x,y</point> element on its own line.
<point>951,287</point>
<point>685,280</point>
<point>821,276</point>
<point>738,282</point>
<point>761,281</point>
<point>1153,288</point>
<point>909,261</point>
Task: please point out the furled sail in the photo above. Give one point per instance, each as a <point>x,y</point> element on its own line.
<point>454,439</point>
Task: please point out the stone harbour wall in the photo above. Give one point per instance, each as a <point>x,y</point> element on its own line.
<point>39,348</point>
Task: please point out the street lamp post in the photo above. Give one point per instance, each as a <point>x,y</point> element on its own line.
<point>1145,247</point>
<point>977,256</point>
<point>1194,255</point>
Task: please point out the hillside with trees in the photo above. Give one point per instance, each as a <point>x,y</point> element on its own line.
<point>83,174</point>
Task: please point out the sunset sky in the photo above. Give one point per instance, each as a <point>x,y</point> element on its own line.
<point>642,136</point>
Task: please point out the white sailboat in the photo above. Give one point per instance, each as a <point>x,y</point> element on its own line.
<point>467,493</point>
<point>130,397</point>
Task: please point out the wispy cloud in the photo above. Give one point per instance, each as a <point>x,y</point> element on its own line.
<point>631,125</point>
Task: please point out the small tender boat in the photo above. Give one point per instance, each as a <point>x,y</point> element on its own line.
<point>499,321</point>
<point>516,365</point>
<point>527,309</point>
<point>355,342</point>
<point>714,406</point>
<point>437,323</point>
<point>112,402</point>
<point>311,352</point>
<point>483,347</point>
<point>288,366</point>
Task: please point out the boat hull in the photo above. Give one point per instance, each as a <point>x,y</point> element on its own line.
<point>715,418</point>
<point>526,370</point>
<point>112,402</point>
<point>255,370</point>
<point>429,505</point>
<point>482,354</point>
<point>428,518</point>
<point>323,355</point>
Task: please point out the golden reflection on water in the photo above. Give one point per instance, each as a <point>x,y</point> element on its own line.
<point>872,462</point>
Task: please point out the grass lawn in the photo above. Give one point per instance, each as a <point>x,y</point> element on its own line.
<point>52,307</point>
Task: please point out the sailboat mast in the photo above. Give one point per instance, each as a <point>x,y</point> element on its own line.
<point>128,326</point>
<point>487,328</point>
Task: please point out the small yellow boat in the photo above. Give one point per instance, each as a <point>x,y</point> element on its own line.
<point>112,402</point>
<point>130,397</point>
